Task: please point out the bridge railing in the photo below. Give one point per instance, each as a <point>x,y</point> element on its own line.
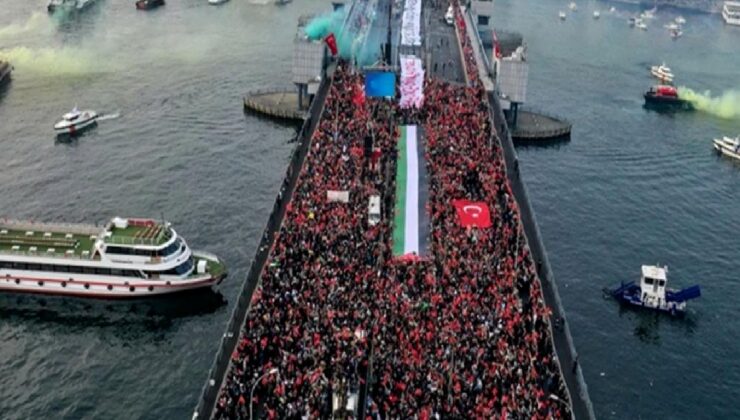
<point>222,361</point>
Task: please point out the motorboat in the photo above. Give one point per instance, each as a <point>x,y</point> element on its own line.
<point>612,9</point>
<point>562,15</point>
<point>217,2</point>
<point>631,21</point>
<point>651,292</point>
<point>597,14</point>
<point>149,4</point>
<point>680,20</point>
<point>728,146</point>
<point>639,23</point>
<point>662,73</point>
<point>731,12</point>
<point>649,14</point>
<point>68,5</point>
<point>76,121</point>
<point>666,97</point>
<point>573,6</point>
<point>450,16</point>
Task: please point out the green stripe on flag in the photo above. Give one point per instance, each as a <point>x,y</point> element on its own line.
<point>399,220</point>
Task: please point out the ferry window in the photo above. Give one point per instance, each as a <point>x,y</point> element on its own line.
<point>4,264</point>
<point>102,271</point>
<point>19,266</point>
<point>60,268</point>
<point>88,270</point>
<point>483,20</point>
<point>34,266</point>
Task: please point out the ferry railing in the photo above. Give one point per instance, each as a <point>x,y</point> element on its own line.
<point>222,361</point>
<point>75,228</point>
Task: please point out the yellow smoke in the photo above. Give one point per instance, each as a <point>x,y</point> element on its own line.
<point>54,61</point>
<point>38,22</point>
<point>725,106</point>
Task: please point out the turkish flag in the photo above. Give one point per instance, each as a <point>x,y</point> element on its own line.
<point>472,213</point>
<point>331,42</point>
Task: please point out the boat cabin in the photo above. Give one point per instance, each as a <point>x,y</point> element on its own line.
<point>652,283</point>
<point>664,90</point>
<point>72,115</point>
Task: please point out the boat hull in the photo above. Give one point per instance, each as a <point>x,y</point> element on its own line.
<point>149,5</point>
<point>99,287</point>
<point>726,150</point>
<point>630,295</point>
<point>657,102</point>
<point>76,128</point>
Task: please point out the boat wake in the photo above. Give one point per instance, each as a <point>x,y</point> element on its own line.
<point>105,117</point>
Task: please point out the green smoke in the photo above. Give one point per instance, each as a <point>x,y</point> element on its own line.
<point>725,106</point>
<point>351,45</point>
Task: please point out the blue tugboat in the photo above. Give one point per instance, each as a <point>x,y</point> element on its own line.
<point>652,293</point>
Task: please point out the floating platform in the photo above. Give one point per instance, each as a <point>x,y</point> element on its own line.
<point>532,127</point>
<point>282,104</point>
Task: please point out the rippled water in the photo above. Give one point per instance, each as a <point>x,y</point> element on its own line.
<point>631,187</point>
<point>636,187</point>
<point>182,147</point>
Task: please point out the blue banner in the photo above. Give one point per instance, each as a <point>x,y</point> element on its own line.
<point>380,84</point>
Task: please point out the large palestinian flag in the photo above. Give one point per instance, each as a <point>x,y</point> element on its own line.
<point>411,222</point>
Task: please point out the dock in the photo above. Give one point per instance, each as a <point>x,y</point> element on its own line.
<point>275,103</point>
<point>532,127</point>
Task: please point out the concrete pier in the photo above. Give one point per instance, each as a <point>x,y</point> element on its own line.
<point>533,127</point>
<point>281,104</point>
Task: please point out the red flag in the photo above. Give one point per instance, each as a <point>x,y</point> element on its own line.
<point>331,42</point>
<point>496,46</point>
<point>358,97</point>
<point>472,213</point>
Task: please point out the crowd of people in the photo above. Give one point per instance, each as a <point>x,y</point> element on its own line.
<point>309,317</point>
<point>463,333</point>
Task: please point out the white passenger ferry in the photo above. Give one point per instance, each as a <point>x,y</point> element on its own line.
<point>731,12</point>
<point>126,258</point>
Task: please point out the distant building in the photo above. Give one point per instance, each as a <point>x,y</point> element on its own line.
<point>308,63</point>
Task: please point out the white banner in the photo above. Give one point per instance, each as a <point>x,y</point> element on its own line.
<point>411,84</point>
<point>411,23</point>
<point>337,196</point>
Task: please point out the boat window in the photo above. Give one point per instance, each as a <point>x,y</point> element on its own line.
<point>662,283</point>
<point>648,280</point>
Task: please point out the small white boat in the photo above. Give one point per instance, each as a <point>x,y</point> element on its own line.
<point>76,121</point>
<point>680,20</point>
<point>597,14</point>
<point>217,2</point>
<point>573,6</point>
<point>612,9</point>
<point>631,21</point>
<point>639,23</point>
<point>728,146</point>
<point>649,14</point>
<point>676,33</point>
<point>662,73</point>
<point>562,15</point>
